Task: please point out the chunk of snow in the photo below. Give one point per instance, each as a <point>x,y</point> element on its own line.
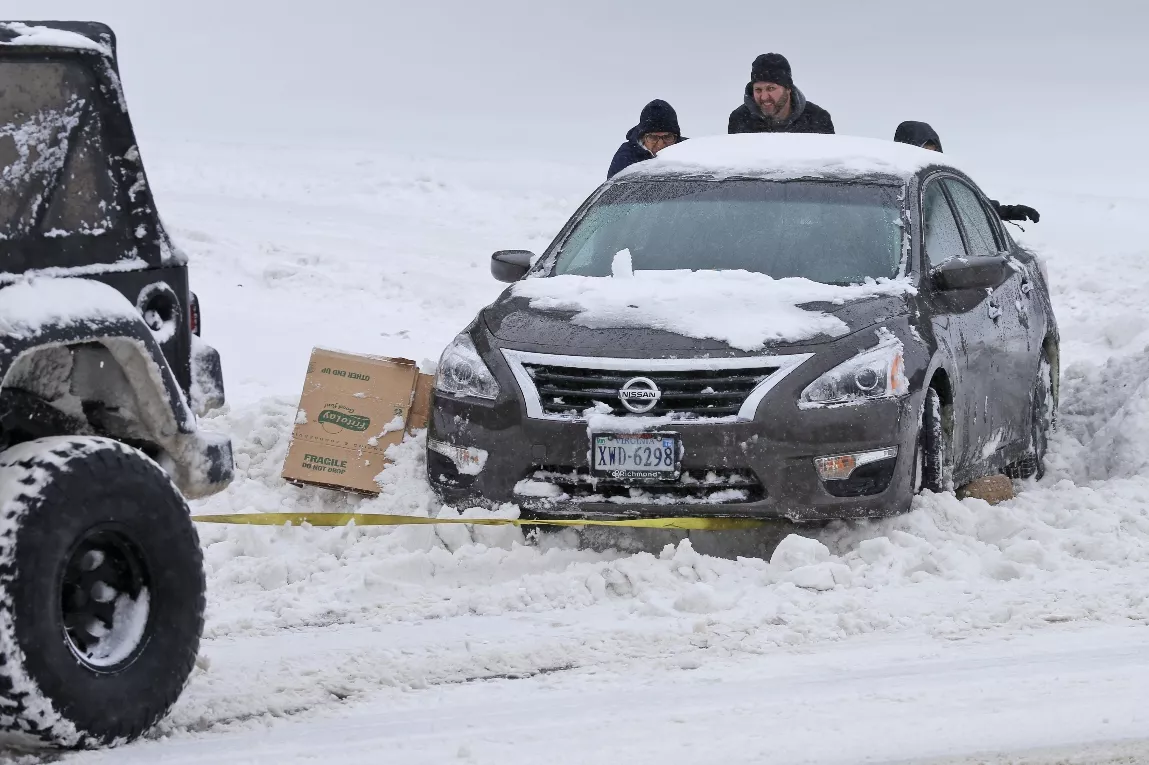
<point>820,576</point>
<point>741,308</point>
<point>796,551</point>
<point>622,267</point>
<point>531,488</point>
<point>50,38</point>
<point>395,425</point>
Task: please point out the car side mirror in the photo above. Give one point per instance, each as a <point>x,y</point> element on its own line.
<point>970,274</point>
<point>511,265</point>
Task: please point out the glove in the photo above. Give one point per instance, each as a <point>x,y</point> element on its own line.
<point>1018,212</point>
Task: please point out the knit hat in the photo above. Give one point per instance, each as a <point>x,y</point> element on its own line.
<point>772,67</point>
<point>917,134</point>
<point>657,117</point>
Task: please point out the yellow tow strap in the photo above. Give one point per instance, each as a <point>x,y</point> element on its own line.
<point>373,519</point>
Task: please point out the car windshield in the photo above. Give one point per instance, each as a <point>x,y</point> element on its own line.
<point>834,233</point>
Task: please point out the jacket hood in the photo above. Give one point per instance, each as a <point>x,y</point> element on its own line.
<point>514,322</point>
<point>797,105</point>
<point>656,117</point>
<point>916,134</point>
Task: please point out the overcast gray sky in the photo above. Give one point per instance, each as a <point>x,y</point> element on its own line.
<point>1045,89</point>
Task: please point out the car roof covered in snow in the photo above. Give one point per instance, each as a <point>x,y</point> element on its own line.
<point>66,35</point>
<point>785,156</point>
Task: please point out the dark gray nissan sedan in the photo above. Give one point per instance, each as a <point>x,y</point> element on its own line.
<point>944,369</point>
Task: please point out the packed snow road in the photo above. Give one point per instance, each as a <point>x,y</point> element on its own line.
<point>957,629</point>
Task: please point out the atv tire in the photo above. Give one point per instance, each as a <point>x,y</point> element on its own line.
<point>101,593</point>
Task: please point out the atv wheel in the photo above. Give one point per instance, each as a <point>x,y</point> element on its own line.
<point>101,593</point>
<point>933,460</point>
<point>1041,422</point>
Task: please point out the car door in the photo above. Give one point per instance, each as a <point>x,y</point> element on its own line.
<point>1013,368</point>
<point>960,319</point>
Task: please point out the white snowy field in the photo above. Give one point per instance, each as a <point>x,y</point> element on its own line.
<point>958,633</point>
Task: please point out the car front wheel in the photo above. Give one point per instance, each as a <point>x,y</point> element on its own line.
<point>933,459</point>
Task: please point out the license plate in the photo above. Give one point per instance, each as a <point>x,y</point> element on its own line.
<point>635,455</point>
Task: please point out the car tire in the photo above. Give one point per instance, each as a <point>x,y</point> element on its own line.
<point>101,593</point>
<point>1042,415</point>
<point>933,459</point>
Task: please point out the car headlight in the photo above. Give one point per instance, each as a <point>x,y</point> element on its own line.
<point>462,371</point>
<point>875,373</point>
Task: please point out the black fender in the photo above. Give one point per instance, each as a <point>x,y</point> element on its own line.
<point>45,313</point>
<point>134,347</point>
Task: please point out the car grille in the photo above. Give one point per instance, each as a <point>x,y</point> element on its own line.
<point>567,391</point>
<point>717,486</point>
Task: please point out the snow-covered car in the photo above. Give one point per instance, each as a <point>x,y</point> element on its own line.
<point>103,375</point>
<point>808,327</point>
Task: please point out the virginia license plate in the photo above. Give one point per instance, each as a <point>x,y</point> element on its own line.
<point>637,455</point>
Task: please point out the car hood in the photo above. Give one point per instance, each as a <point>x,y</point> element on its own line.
<point>516,324</point>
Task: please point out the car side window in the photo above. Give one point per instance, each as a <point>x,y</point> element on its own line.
<point>942,236</point>
<point>975,218</point>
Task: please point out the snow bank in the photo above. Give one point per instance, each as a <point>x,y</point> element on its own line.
<point>1058,552</point>
<point>785,155</point>
<point>744,309</point>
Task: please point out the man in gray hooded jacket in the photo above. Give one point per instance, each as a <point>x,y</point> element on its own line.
<point>773,105</point>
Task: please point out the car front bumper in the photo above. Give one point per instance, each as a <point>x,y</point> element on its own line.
<point>513,458</point>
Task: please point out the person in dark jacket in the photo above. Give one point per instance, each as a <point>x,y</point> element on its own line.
<point>657,128</point>
<point>921,134</point>
<point>918,134</point>
<point>772,104</point>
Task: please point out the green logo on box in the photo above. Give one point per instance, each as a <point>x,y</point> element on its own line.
<point>343,421</point>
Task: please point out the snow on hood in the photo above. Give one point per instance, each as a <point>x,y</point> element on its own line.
<point>744,309</point>
<point>28,305</point>
<point>50,38</point>
<point>791,155</point>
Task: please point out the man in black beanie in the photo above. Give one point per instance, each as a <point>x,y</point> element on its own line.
<point>773,105</point>
<point>657,128</point>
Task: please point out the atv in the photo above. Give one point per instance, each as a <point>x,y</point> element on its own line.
<point>102,376</point>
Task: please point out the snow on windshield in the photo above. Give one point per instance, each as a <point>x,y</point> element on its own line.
<point>785,155</point>
<point>741,308</point>
<point>50,38</point>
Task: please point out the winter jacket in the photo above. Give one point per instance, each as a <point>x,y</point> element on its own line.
<point>628,153</point>
<point>805,116</point>
<point>656,117</point>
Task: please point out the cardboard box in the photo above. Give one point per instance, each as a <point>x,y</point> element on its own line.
<point>352,408</point>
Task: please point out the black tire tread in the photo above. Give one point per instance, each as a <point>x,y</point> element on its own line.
<point>86,459</point>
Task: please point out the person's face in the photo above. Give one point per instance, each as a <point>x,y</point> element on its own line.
<point>656,142</point>
<point>931,146</point>
<point>772,98</point>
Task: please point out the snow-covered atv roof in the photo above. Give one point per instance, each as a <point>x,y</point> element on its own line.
<point>785,156</point>
<point>69,35</point>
